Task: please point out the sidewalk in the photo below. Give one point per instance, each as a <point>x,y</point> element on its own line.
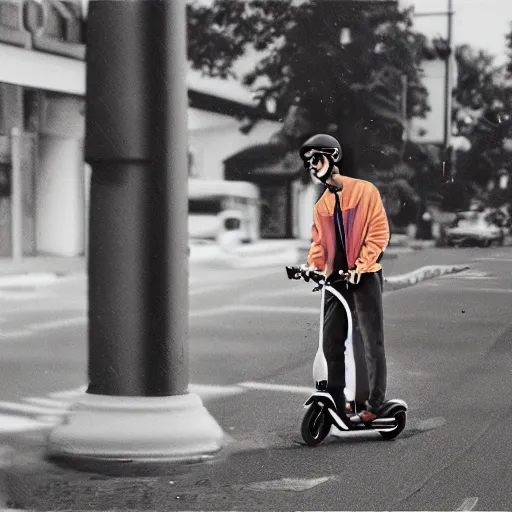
<point>41,265</point>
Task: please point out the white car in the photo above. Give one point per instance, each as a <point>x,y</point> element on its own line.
<point>474,228</point>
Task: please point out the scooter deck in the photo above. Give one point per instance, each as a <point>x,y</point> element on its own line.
<point>379,423</point>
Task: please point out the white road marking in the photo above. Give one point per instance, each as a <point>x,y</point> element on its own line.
<point>38,412</point>
<point>206,391</point>
<point>201,313</point>
<point>495,258</point>
<point>69,394</point>
<point>276,387</point>
<point>468,504</point>
<point>10,335</point>
<point>277,309</point>
<point>254,309</point>
<point>287,484</point>
<point>34,329</point>
<point>57,324</point>
<point>29,409</point>
<point>46,402</point>
<point>492,290</point>
<point>20,424</point>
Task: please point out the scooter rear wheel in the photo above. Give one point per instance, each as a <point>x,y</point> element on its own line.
<point>316,424</point>
<point>401,420</point>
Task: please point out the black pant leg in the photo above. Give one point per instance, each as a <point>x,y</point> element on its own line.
<point>362,384</point>
<point>335,333</point>
<point>368,304</point>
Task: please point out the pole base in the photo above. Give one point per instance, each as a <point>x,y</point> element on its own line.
<point>136,429</point>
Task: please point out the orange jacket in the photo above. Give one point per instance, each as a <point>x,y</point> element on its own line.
<point>366,227</point>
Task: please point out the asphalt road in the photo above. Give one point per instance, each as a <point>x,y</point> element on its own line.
<point>253,336</point>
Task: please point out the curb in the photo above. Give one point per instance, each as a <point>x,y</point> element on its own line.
<point>421,274</point>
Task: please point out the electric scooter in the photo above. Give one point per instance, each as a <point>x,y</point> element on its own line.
<point>322,412</point>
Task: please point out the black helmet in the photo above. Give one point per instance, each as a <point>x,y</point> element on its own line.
<point>321,149</point>
<point>324,144</point>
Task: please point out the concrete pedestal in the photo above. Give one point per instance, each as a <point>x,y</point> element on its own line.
<point>137,429</point>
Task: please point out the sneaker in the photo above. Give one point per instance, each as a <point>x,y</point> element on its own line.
<point>367,416</point>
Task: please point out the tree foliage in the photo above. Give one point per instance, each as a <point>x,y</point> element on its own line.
<point>351,90</point>
<point>482,110</point>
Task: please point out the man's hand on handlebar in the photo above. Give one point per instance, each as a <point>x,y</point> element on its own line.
<point>353,276</point>
<point>307,272</point>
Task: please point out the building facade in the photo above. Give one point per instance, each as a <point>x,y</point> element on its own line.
<point>44,181</point>
<point>42,86</point>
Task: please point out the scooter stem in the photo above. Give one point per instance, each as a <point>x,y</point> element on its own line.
<point>350,365</point>
<point>320,371</point>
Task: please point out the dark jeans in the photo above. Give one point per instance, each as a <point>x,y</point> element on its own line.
<point>365,301</point>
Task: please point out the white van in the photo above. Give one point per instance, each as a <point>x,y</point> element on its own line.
<point>224,211</point>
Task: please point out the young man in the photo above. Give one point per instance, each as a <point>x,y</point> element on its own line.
<point>350,233</point>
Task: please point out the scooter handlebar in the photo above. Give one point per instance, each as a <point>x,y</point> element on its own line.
<point>318,277</point>
<point>304,273</point>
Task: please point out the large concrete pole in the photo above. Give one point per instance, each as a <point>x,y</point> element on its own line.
<point>137,406</point>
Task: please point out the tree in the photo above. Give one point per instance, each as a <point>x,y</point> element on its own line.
<point>482,110</point>
<point>351,89</point>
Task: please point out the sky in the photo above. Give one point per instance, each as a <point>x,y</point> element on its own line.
<point>481,23</point>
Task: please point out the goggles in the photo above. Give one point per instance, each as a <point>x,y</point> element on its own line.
<point>314,156</point>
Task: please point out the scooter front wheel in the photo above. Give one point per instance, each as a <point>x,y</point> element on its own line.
<point>401,420</point>
<point>316,424</point>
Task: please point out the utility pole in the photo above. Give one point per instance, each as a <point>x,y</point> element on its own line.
<point>448,86</point>
<point>448,89</point>
<point>449,77</point>
<point>137,407</point>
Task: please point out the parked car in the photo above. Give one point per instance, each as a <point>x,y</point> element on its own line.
<point>474,228</point>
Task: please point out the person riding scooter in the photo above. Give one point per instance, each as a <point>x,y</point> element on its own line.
<point>350,233</point>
